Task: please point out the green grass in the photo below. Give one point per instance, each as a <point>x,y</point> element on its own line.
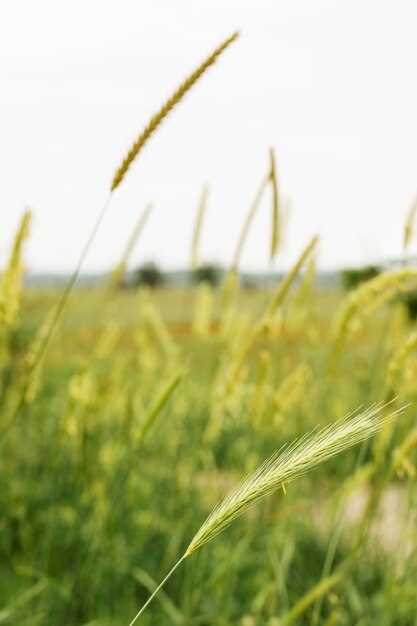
<point>92,511</point>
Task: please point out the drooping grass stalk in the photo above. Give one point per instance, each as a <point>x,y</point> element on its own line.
<point>366,299</point>
<point>287,464</point>
<point>167,107</point>
<point>198,226</point>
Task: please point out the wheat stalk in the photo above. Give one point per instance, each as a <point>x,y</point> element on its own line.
<point>290,462</point>
<point>166,108</point>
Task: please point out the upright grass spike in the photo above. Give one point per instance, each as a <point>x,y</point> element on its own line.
<point>231,279</point>
<point>409,225</point>
<point>290,462</point>
<point>248,223</point>
<point>201,211</point>
<point>287,282</point>
<point>118,177</point>
<point>276,218</point>
<point>272,179</point>
<point>121,267</point>
<point>166,108</point>
<point>11,277</point>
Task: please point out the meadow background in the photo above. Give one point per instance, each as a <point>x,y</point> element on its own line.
<point>129,409</point>
<point>145,411</point>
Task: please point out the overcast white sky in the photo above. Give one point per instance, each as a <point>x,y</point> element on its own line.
<point>330,84</point>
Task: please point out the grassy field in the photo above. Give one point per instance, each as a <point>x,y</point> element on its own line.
<point>127,415</point>
<point>95,508</point>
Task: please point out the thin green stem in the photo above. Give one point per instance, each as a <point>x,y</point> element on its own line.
<point>159,587</point>
<point>58,313</point>
<point>73,279</point>
<point>248,222</point>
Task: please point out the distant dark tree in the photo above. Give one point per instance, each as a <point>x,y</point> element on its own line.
<point>249,282</point>
<point>209,273</point>
<point>148,274</point>
<point>410,302</point>
<point>351,277</point>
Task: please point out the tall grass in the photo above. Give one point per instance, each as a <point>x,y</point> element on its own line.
<point>141,425</point>
<point>284,466</point>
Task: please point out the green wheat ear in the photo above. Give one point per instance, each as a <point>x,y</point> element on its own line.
<point>166,108</point>
<point>285,465</point>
